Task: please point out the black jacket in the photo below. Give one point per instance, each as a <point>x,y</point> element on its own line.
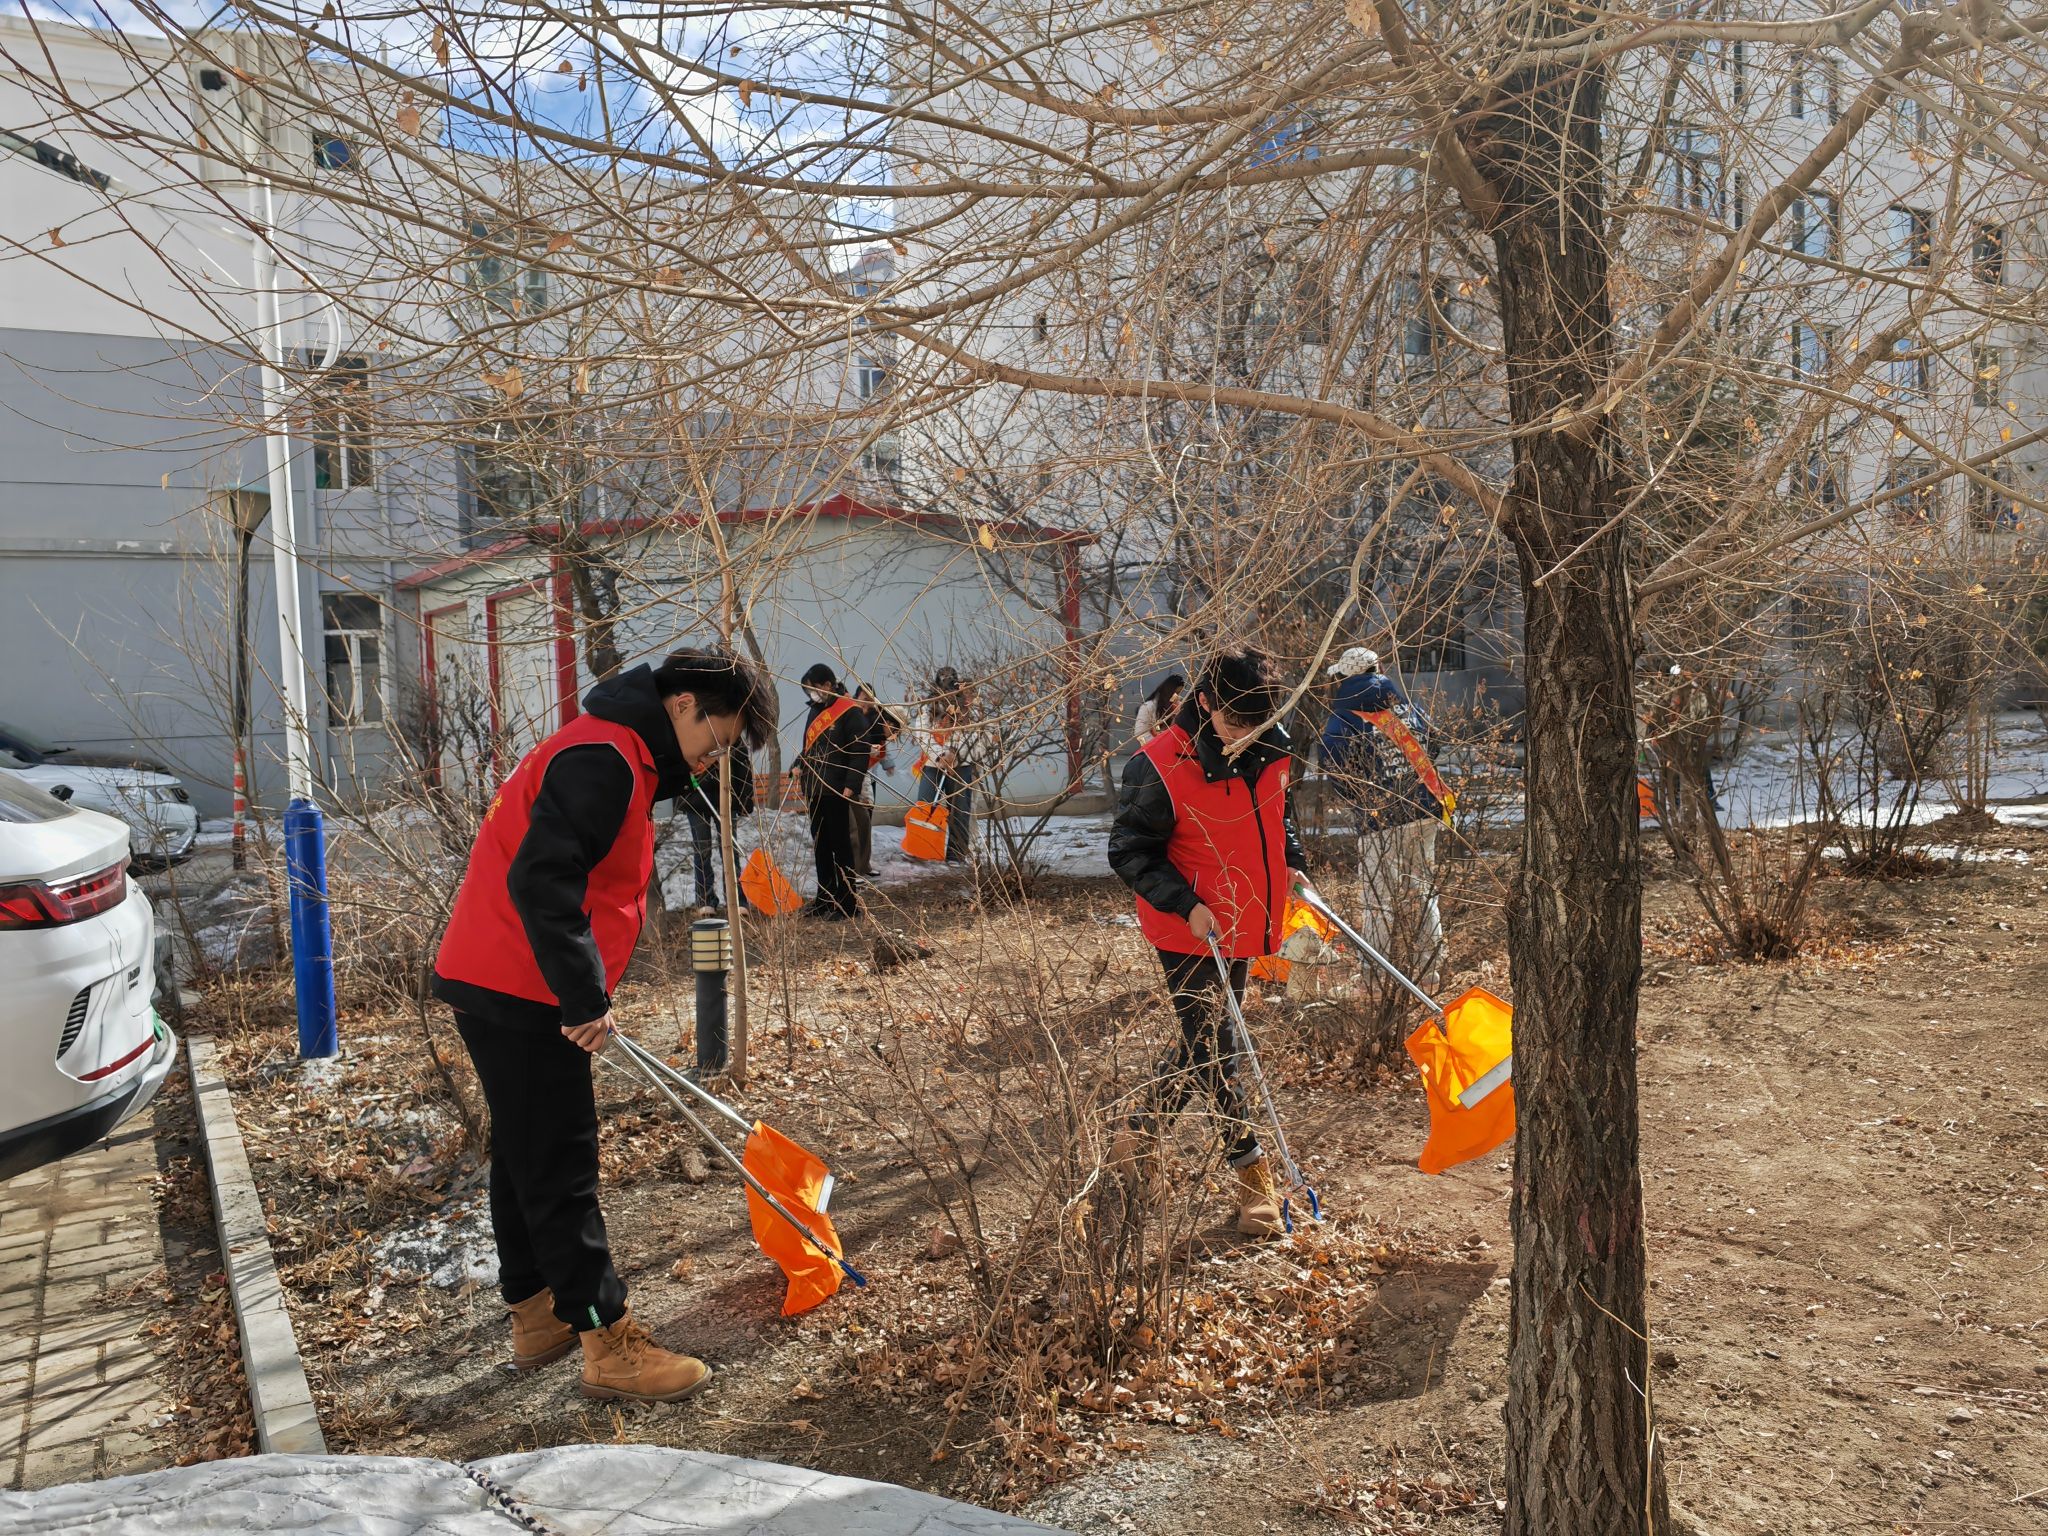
<point>577,817</point>
<point>1145,818</point>
<point>837,761</point>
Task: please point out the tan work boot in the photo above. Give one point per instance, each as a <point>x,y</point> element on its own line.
<point>623,1362</point>
<point>538,1336</point>
<point>1258,1204</point>
<point>1135,1160</point>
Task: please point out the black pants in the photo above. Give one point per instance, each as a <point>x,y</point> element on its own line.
<point>708,869</point>
<point>832,842</point>
<point>544,1210</point>
<point>1209,1054</point>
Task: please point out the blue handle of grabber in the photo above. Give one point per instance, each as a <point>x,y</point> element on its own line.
<point>851,1273</point>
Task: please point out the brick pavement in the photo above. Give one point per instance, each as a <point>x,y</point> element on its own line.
<point>79,1388</point>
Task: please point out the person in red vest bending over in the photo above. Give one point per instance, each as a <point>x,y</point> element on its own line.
<point>544,923</point>
<point>1204,834</point>
<point>831,768</point>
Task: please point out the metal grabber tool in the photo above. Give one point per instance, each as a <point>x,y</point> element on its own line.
<point>1295,1180</point>
<point>662,1076</point>
<point>1482,1086</point>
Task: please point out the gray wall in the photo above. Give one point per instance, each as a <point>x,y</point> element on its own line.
<point>115,583</point>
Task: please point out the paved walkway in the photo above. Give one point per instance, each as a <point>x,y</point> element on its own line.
<point>78,1388</point>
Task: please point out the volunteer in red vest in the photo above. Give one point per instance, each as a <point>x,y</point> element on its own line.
<point>944,774</point>
<point>548,914</point>
<point>1204,834</point>
<point>831,767</point>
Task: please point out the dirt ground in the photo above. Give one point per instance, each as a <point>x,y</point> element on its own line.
<point>1847,1204</point>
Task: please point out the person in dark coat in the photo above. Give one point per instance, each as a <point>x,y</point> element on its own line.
<point>546,919</point>
<point>1205,838</point>
<point>699,808</point>
<point>882,728</point>
<point>831,767</point>
<point>1398,814</point>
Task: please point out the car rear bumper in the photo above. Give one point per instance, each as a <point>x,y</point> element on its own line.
<point>31,1146</point>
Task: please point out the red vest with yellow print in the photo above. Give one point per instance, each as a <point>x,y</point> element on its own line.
<point>485,944</point>
<point>1230,843</point>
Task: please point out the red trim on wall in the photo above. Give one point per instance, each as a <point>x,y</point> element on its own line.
<point>565,646</point>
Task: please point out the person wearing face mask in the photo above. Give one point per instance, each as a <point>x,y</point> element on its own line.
<point>1204,836</point>
<point>831,768</point>
<point>547,916</point>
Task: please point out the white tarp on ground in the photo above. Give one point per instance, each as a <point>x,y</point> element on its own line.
<point>573,1490</point>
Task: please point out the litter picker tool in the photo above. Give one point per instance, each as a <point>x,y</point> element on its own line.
<point>1465,1053</point>
<point>1251,1054</point>
<point>779,1175</point>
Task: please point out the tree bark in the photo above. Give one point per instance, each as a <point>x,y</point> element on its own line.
<point>1581,1458</point>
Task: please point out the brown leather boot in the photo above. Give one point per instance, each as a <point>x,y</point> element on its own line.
<point>623,1362</point>
<point>1258,1203</point>
<point>538,1336</point>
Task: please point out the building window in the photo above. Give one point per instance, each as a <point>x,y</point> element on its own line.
<point>1420,331</point>
<point>1915,505</point>
<point>331,152</point>
<point>338,426</point>
<point>1813,350</point>
<point>1441,651</point>
<point>1831,88</point>
<point>1992,509</point>
<point>1911,232</point>
<point>1987,367</point>
<point>498,280</point>
<point>881,456</point>
<point>505,465</point>
<point>1988,260</point>
<point>1819,478</point>
<point>1910,123</point>
<point>354,633</point>
<point>1817,225</point>
<point>1690,175</point>
<point>1905,370</point>
<point>1041,329</point>
<point>1795,99</point>
<point>870,378</point>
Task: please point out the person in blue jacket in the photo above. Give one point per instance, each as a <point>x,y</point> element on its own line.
<point>1398,816</point>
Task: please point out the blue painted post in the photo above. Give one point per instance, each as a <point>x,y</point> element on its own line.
<point>305,862</point>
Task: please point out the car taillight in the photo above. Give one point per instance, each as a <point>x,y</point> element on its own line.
<point>33,904</point>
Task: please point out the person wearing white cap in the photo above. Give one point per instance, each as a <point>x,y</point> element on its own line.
<point>1374,750</point>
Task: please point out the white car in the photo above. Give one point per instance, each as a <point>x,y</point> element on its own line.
<point>81,1047</point>
<point>154,806</point>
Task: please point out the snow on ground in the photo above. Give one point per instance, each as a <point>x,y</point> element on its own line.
<point>1768,787</point>
<point>446,1249</point>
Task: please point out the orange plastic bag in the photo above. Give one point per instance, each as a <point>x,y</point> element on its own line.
<point>924,832</point>
<point>1300,915</point>
<point>1477,1036</point>
<point>1646,800</point>
<point>796,1178</point>
<point>767,887</point>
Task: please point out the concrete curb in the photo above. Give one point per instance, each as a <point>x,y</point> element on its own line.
<point>278,1391</point>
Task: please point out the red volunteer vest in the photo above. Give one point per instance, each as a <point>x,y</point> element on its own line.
<point>485,945</point>
<point>1230,842</point>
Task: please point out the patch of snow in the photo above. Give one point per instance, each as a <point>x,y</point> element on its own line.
<point>451,1246</point>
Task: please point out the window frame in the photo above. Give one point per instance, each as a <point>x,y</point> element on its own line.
<point>367,707</point>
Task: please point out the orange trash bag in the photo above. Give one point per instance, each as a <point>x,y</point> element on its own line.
<point>1466,1065</point>
<point>767,887</point>
<point>924,832</point>
<point>799,1180</point>
<point>1646,800</point>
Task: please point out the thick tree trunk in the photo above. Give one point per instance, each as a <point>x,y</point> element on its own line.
<point>1581,1457</point>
